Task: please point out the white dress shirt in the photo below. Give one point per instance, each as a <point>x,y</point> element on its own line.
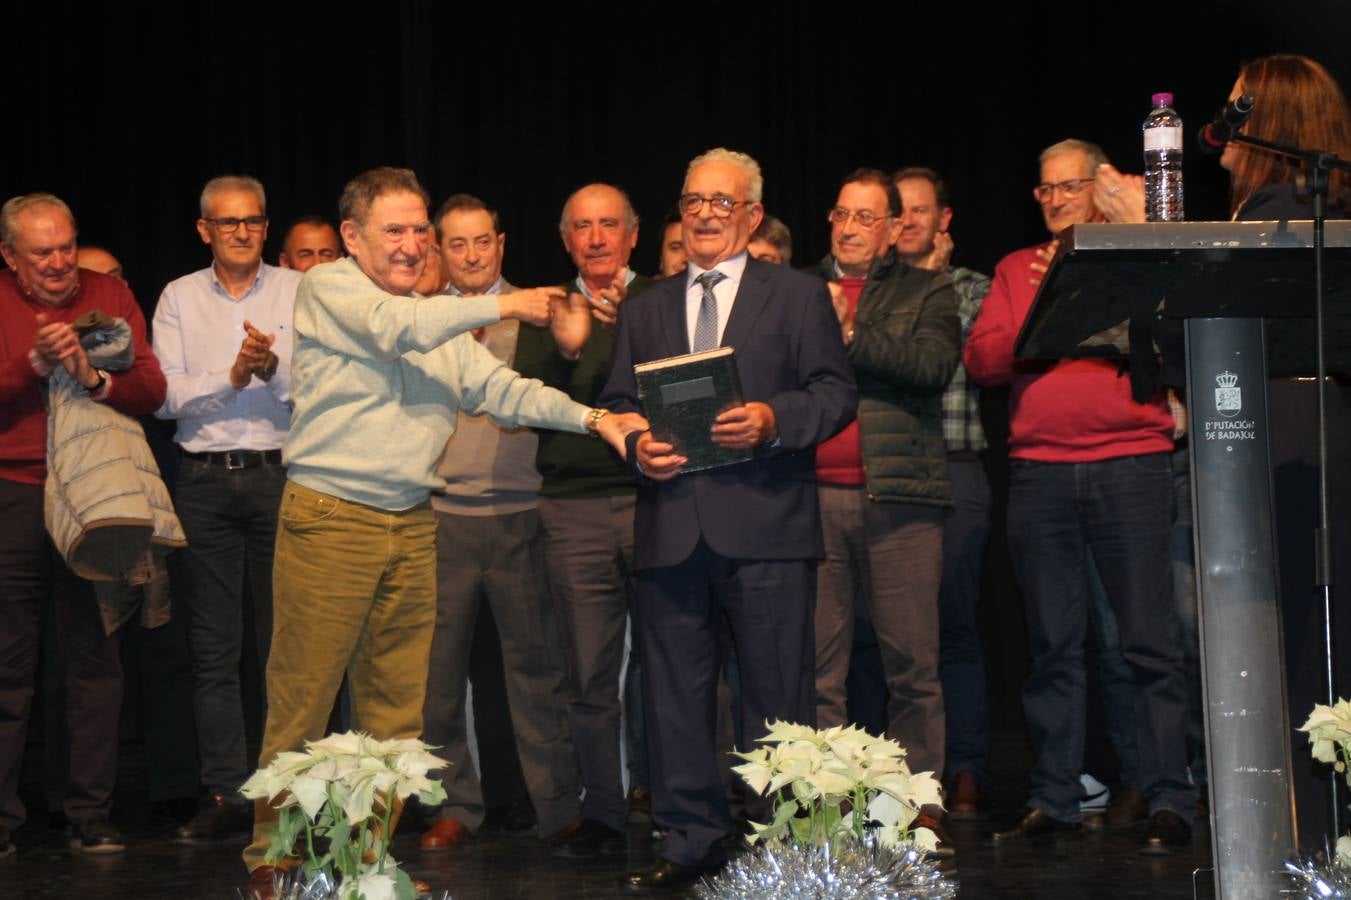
<point>724,292</point>
<point>197,333</point>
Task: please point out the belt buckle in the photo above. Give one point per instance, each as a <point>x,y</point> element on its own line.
<point>233,460</point>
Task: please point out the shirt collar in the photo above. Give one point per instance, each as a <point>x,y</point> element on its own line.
<point>494,288</point>
<point>628,280</point>
<point>257,280</point>
<point>733,267</point>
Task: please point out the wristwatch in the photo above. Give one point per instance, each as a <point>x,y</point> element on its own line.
<point>593,419</point>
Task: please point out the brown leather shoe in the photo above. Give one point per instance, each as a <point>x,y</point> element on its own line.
<point>263,883</point>
<point>1126,808</point>
<point>446,833</point>
<point>1033,823</point>
<point>966,800</point>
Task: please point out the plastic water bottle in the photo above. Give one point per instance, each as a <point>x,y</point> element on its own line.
<point>1163,162</point>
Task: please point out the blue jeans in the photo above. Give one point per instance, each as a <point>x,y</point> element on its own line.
<point>1121,510</point>
<point>961,661</point>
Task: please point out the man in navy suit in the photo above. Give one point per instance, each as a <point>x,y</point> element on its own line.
<point>743,539</point>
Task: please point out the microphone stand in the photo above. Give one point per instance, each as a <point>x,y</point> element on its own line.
<point>1318,166</point>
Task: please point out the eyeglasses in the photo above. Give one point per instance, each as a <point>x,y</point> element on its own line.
<point>1071,189</point>
<point>865,218</point>
<point>721,204</point>
<point>229,224</point>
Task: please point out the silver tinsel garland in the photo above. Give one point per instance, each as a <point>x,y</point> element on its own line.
<point>1319,877</point>
<point>291,885</point>
<point>849,872</point>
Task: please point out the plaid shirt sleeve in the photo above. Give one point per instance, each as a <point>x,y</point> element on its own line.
<point>961,400</point>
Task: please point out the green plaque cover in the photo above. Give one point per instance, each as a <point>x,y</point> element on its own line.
<point>682,395</point>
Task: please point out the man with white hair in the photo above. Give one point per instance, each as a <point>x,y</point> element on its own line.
<point>742,539</point>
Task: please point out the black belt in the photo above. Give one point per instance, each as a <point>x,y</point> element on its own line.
<point>238,459</point>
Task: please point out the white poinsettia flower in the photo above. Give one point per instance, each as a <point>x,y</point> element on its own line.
<point>886,810</point>
<point>358,804</point>
<point>1344,850</point>
<point>830,784</point>
<point>925,789</point>
<point>1322,750</point>
<point>850,743</point>
<point>756,775</point>
<point>787,731</point>
<point>372,886</point>
<point>311,793</point>
<point>922,838</point>
<point>348,743</point>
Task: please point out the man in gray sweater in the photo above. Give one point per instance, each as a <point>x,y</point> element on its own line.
<point>375,402</point>
<point>490,562</point>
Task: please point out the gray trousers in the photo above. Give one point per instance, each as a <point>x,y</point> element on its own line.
<point>500,560</point>
<point>589,547</point>
<point>889,556</point>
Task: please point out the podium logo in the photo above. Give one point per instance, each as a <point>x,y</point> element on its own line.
<point>1228,396</point>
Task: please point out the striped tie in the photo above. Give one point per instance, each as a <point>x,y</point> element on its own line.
<point>706,326</point>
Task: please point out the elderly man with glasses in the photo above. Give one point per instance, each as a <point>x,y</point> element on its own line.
<point>1089,471</point>
<point>883,481</point>
<point>741,540</point>
<point>223,337</point>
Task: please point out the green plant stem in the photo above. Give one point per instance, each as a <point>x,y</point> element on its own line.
<point>384,845</point>
<point>309,838</point>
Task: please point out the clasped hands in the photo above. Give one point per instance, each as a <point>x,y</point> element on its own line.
<point>739,428</point>
<point>58,344</point>
<point>255,357</point>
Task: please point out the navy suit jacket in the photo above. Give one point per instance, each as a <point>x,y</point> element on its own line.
<point>789,354</point>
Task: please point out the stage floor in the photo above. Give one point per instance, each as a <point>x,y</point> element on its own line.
<point>1086,866</point>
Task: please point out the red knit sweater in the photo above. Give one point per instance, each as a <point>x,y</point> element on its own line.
<point>1069,411</point>
<point>23,417</point>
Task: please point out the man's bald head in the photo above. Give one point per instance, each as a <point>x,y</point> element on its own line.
<point>96,259</point>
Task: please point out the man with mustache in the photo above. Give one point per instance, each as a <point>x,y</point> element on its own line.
<point>491,582</point>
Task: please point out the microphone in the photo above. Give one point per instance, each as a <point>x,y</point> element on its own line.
<point>1225,125</point>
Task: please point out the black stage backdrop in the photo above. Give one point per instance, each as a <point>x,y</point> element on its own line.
<point>125,110</point>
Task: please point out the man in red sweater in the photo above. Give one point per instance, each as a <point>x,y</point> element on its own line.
<point>41,292</point>
<point>1089,470</point>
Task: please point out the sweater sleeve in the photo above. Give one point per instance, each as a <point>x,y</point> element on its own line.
<point>489,387</point>
<point>988,354</point>
<point>342,309</point>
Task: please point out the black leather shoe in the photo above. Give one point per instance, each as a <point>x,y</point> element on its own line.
<point>6,845</point>
<point>664,877</point>
<point>218,818</point>
<point>96,835</point>
<point>1167,830</point>
<point>1033,823</point>
<point>514,818</point>
<point>590,840</point>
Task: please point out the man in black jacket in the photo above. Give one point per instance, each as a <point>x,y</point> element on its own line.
<point>883,482</point>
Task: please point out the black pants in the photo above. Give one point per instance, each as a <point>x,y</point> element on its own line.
<point>32,577</point>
